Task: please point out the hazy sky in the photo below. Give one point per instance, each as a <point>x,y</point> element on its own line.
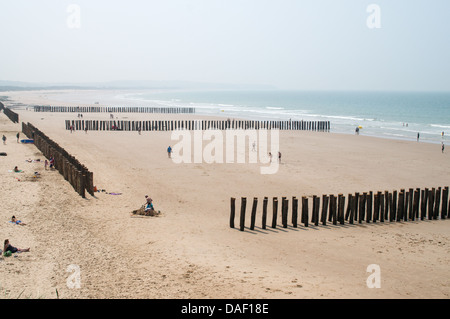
<point>291,44</point>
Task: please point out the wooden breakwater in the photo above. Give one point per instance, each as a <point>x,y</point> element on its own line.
<point>170,125</point>
<point>114,109</point>
<point>13,116</point>
<point>67,165</point>
<point>368,207</point>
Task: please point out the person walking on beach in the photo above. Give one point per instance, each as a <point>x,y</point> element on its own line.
<point>46,164</point>
<point>279,157</point>
<point>443,146</point>
<point>18,135</point>
<point>4,139</point>
<point>418,135</point>
<point>169,151</point>
<point>270,157</point>
<point>254,147</point>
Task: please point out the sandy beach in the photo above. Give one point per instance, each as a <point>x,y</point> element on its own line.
<point>190,251</point>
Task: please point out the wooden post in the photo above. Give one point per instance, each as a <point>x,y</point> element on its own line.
<point>242,219</point>
<point>232,214</point>
<point>405,209</point>
<point>369,200</point>
<point>253,217</point>
<point>394,206</point>
<point>294,211</point>
<point>400,205</point>
<point>285,212</point>
<point>444,209</point>
<point>391,206</point>
<point>430,203</point>
<point>305,210</point>
<point>264,214</point>
<point>423,205</point>
<point>382,206</point>
<point>352,209</point>
<point>357,199</point>
<point>386,205</point>
<point>376,206</point>
<point>315,211</point>
<point>415,210</point>
<point>274,216</point>
<point>324,209</point>
<point>411,208</point>
<point>341,205</point>
<point>437,202</point>
<point>333,209</point>
<point>362,207</point>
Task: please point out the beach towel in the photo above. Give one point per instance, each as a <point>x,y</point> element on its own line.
<point>114,193</point>
<point>12,171</point>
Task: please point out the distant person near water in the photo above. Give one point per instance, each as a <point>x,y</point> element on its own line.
<point>357,131</point>
<point>418,136</point>
<point>443,146</point>
<point>4,139</point>
<point>169,151</point>
<point>18,135</point>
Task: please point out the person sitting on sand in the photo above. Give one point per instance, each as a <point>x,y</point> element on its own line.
<point>17,222</point>
<point>8,247</point>
<point>16,169</point>
<point>149,205</point>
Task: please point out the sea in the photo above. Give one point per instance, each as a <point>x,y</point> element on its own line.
<point>393,115</point>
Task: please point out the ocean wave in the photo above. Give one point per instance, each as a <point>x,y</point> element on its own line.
<point>440,126</point>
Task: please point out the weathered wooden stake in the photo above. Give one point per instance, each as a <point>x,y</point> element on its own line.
<point>305,210</point>
<point>294,211</point>
<point>264,214</point>
<point>341,206</point>
<point>232,213</point>
<point>242,219</point>
<point>253,216</point>
<point>324,209</point>
<point>274,216</point>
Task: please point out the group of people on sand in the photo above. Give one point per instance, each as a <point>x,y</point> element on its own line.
<point>4,138</point>
<point>279,157</point>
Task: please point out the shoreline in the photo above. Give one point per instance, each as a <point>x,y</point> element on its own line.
<point>37,101</point>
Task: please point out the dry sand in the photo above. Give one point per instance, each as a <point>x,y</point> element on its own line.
<point>190,251</point>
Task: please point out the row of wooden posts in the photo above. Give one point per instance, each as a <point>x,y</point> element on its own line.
<point>113,109</point>
<point>67,165</point>
<point>13,116</point>
<point>410,205</point>
<point>169,125</point>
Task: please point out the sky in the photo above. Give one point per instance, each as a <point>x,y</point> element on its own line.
<point>288,44</point>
